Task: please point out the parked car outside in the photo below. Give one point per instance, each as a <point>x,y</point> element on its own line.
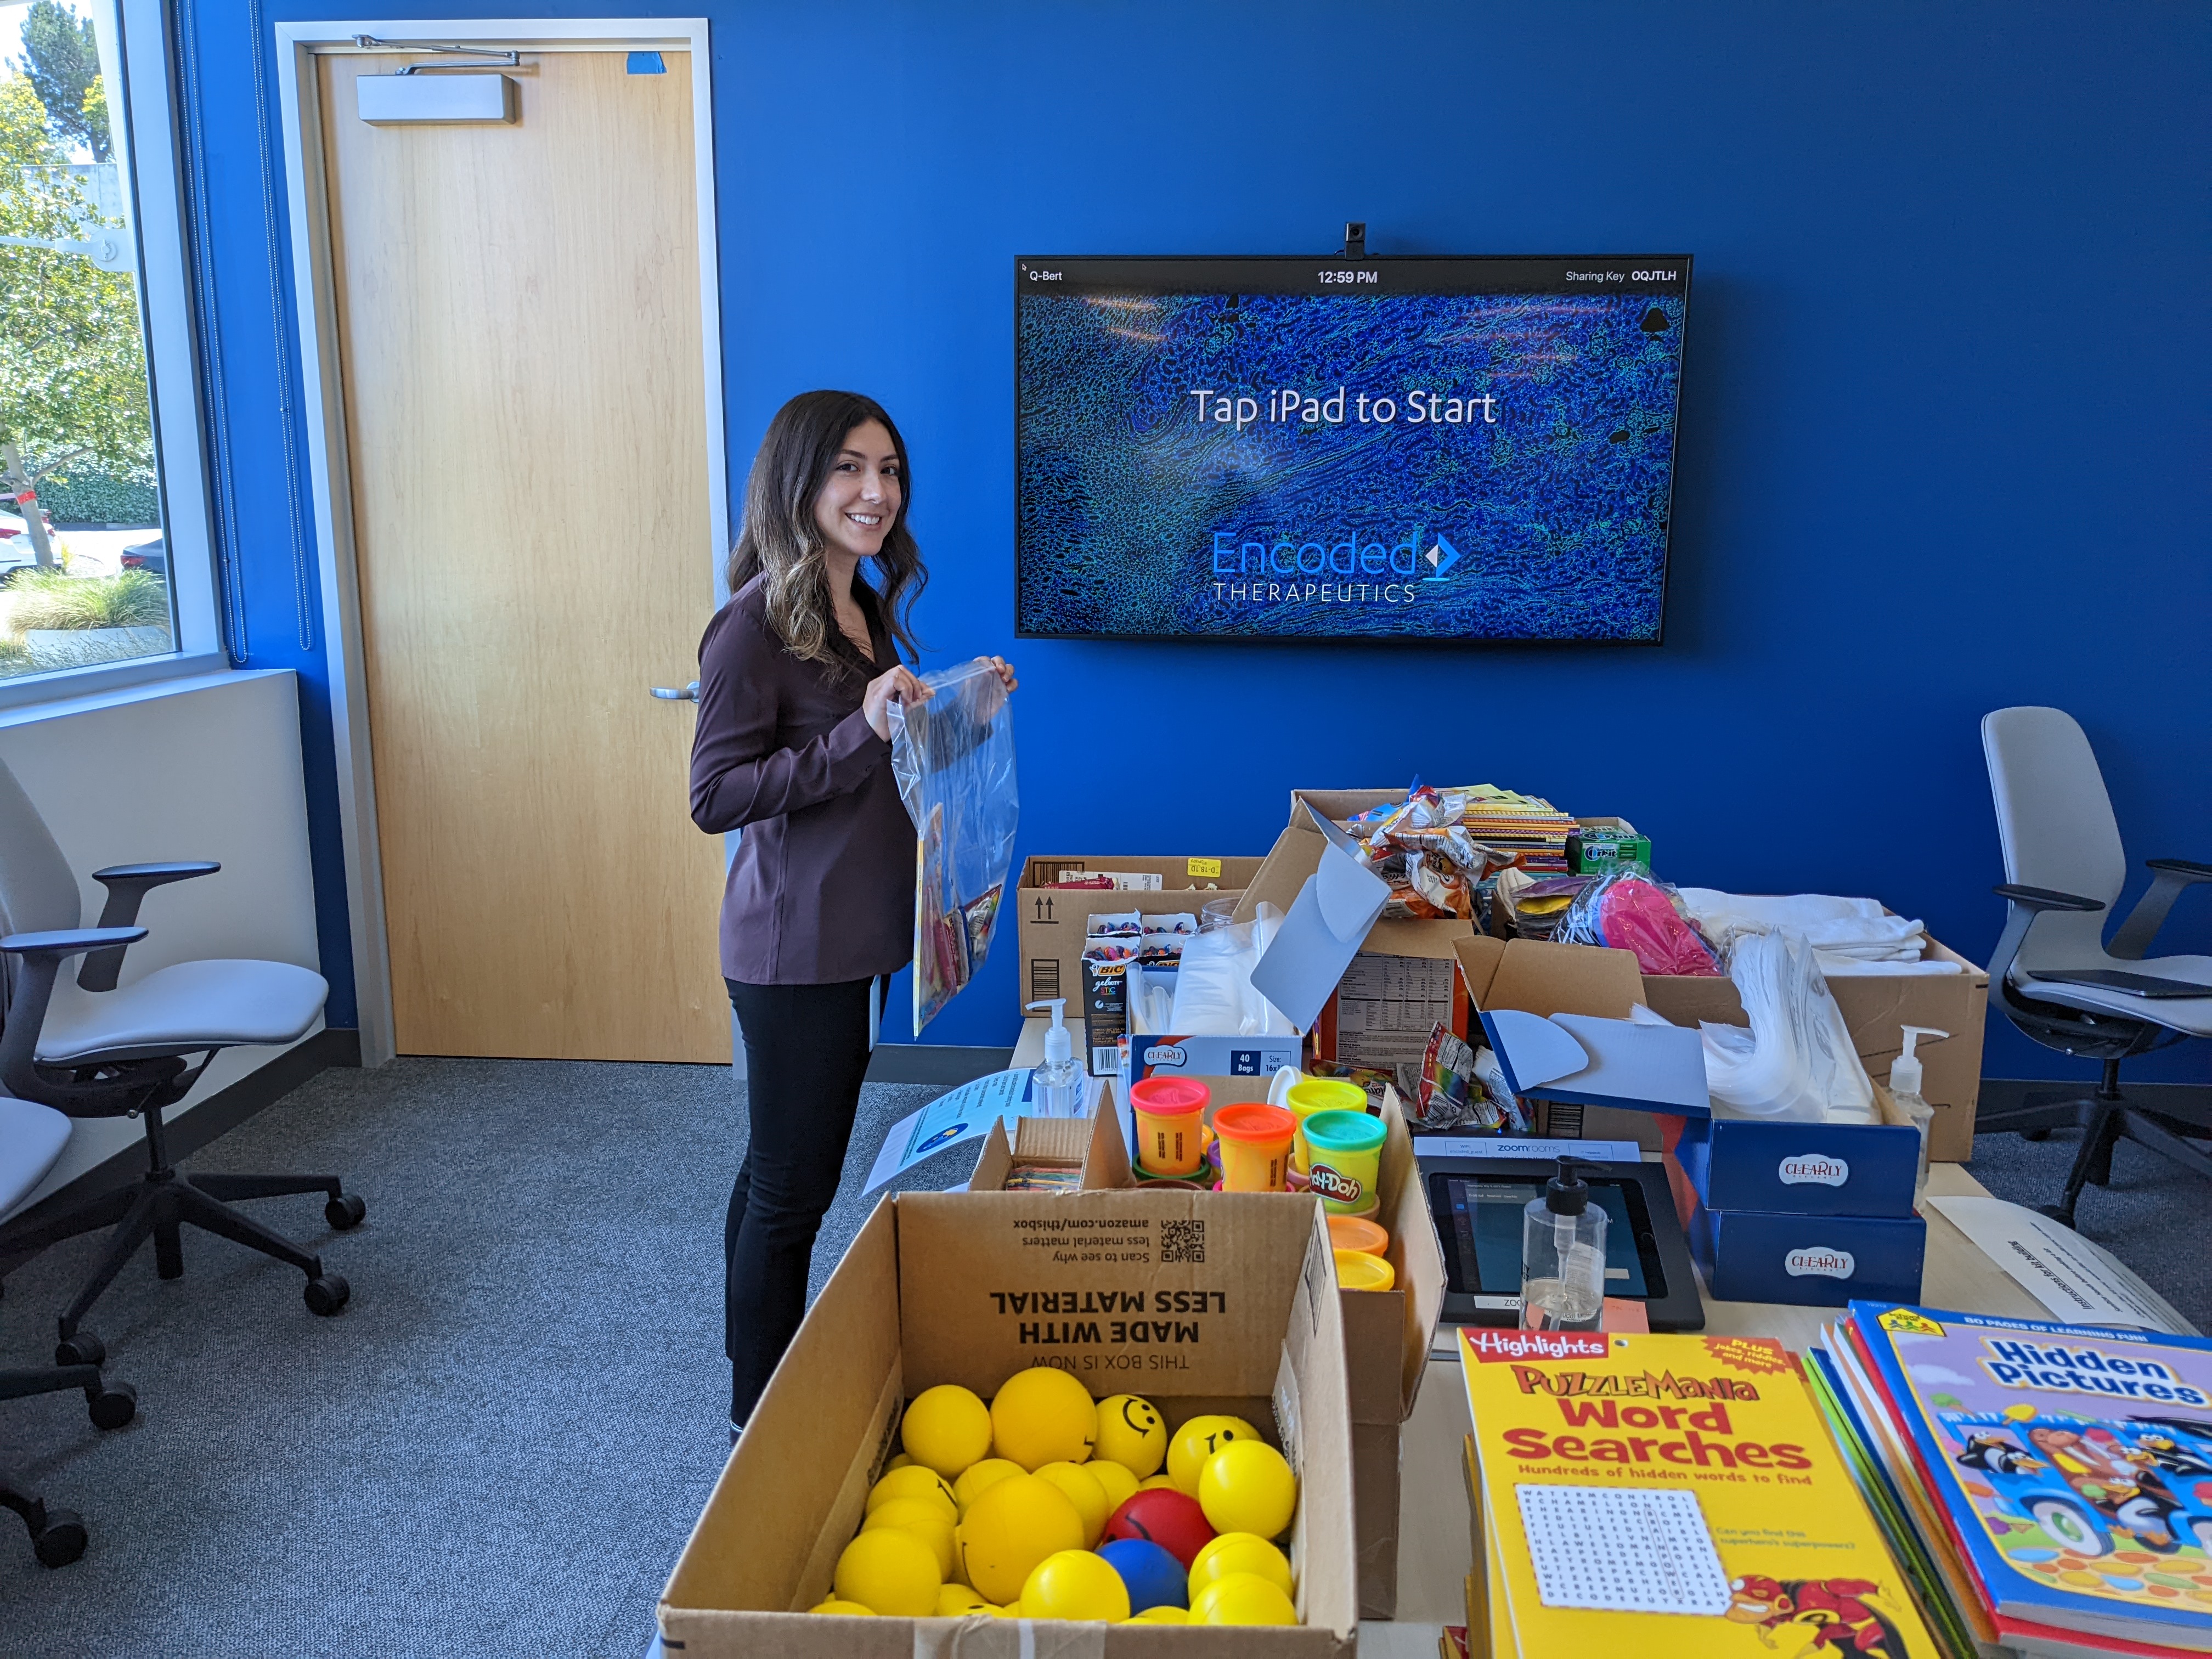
<point>16,551</point>
<point>152,557</point>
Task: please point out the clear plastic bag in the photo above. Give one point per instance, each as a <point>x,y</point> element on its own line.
<point>1214,994</point>
<point>953,758</point>
<point>1631,909</point>
<point>1797,1061</point>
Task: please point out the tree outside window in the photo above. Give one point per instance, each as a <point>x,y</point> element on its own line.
<point>83,565</point>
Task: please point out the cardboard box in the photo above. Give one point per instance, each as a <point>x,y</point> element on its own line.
<point>1093,1144</point>
<point>957,1287</point>
<point>1386,1335</point>
<point>1381,1003</point>
<point>1052,919</point>
<point>1807,1260</point>
<point>1876,1006</point>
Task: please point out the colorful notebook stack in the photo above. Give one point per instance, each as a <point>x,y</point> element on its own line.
<point>1655,1495</point>
<point>1531,828</point>
<point>2050,1485</point>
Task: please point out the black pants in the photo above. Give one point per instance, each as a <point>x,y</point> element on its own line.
<point>807,1054</point>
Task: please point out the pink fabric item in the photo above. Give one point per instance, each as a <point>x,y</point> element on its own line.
<point>1636,915</point>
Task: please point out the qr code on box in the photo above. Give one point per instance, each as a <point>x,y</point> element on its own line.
<point>1183,1240</point>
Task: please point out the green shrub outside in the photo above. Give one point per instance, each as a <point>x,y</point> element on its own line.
<point>88,497</point>
<point>53,599</point>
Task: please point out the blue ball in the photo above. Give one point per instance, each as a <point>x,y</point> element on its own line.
<point>1155,1578</point>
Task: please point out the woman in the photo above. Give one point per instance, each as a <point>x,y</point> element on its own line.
<point>797,675</point>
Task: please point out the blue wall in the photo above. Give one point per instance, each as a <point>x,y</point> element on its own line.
<point>1943,425</point>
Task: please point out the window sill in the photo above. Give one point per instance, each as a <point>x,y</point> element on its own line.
<point>75,684</point>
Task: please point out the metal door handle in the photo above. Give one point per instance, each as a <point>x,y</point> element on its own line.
<point>672,693</point>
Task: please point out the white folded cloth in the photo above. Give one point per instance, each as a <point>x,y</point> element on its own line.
<point>1848,935</point>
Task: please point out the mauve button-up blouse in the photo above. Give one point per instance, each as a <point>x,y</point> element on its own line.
<point>822,890</point>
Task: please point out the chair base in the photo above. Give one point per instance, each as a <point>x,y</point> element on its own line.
<point>57,1536</point>
<point>2105,1117</point>
<point>160,1207</point>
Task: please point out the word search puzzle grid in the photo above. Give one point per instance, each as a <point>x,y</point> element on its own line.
<point>1621,1551</point>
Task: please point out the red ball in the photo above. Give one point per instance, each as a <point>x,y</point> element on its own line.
<point>1172,1520</point>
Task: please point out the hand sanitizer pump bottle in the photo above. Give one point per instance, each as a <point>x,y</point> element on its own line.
<point>1904,1089</point>
<point>1563,1256</point>
<point>1057,1091</point>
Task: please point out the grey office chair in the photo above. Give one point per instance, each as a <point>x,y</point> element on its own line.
<point>91,1049</point>
<point>2054,975</point>
<point>30,1137</point>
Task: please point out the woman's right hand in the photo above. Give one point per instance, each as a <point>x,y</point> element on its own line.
<point>876,702</point>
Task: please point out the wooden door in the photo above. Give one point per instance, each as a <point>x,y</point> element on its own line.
<point>519,330</point>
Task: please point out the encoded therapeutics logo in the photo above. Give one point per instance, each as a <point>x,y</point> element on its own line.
<point>1815,1167</point>
<point>1819,1260</point>
<point>1335,1183</point>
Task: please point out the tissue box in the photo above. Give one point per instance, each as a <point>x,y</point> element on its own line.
<point>1153,1054</point>
<point>1807,1260</point>
<point>1799,1169</point>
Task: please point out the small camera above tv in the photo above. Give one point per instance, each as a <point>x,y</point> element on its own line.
<point>1475,449</point>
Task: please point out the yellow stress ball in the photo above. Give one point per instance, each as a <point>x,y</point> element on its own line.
<point>1238,1551</point>
<point>1112,1478</point>
<point>895,1461</point>
<point>1075,1584</point>
<point>1198,1440</point>
<point>1247,1486</point>
<point>1131,1432</point>
<point>1241,1598</point>
<point>924,1520</point>
<point>914,1480</point>
<point>1084,1492</point>
<point>1158,1483</point>
<point>892,1571</point>
<point>1166,1613</point>
<point>978,1478</point>
<point>850,1609</point>
<point>957,1600</point>
<point>1042,1416</point>
<point>947,1428</point>
<point>1011,1527</point>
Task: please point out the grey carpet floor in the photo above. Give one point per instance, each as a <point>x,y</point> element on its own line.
<point>2152,1215</point>
<point>498,1447</point>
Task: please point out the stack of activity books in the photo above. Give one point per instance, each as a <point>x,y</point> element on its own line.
<point>2049,1486</point>
<point>1651,1496</point>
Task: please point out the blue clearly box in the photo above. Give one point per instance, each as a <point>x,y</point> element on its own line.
<point>1801,1169</point>
<point>1810,1261</point>
<point>1150,1053</point>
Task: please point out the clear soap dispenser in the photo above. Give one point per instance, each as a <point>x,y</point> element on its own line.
<point>1563,1256</point>
<point>1904,1089</point>
<point>1057,1091</point>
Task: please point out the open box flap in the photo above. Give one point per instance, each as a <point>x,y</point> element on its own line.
<point>1326,925</point>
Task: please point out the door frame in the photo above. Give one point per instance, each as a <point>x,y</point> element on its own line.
<point>298,45</point>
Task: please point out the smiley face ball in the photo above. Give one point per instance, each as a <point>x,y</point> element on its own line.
<point>1132,1432</point>
<point>1198,1440</point>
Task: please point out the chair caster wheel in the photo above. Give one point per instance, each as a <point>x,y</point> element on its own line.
<point>116,1404</point>
<point>2064,1217</point>
<point>327,1294</point>
<point>83,1349</point>
<point>2035,1134</point>
<point>60,1540</point>
<point>344,1212</point>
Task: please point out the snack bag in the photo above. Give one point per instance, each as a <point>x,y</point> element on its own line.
<point>953,758</point>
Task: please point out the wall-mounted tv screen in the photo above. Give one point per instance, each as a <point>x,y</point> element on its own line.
<point>1436,448</point>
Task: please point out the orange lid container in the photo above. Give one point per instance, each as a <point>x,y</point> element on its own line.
<point>1357,1233</point>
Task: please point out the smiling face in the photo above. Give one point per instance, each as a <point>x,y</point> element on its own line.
<point>859,502</point>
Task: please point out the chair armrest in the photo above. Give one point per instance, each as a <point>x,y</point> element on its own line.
<point>127,886</point>
<point>43,954</point>
<point>67,942</point>
<point>2035,900</point>
<point>2169,877</point>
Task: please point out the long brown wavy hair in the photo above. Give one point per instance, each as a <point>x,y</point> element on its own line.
<point>779,538</point>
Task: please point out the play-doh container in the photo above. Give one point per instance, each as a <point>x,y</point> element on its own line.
<point>1344,1155</point>
<point>1319,1094</point>
<point>1256,1147</point>
<point>1167,1110</point>
<point>1356,1270</point>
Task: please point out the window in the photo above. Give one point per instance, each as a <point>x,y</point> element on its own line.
<point>103,547</point>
